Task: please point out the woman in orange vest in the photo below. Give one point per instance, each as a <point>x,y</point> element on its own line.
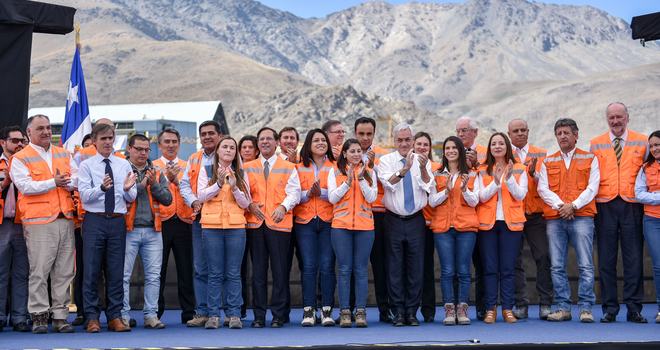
<point>647,192</point>
<point>455,227</point>
<point>313,226</point>
<point>352,188</point>
<point>225,196</point>
<point>502,187</point>
<point>247,147</point>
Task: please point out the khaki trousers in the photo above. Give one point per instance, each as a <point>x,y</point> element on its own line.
<point>51,250</point>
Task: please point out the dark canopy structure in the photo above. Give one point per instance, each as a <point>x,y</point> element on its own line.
<point>18,20</point>
<point>646,27</point>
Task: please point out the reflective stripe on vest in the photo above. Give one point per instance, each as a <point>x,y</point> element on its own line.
<point>514,212</point>
<point>569,183</point>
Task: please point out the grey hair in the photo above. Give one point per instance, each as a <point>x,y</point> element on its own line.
<point>29,120</point>
<point>567,122</point>
<point>521,119</point>
<point>473,123</point>
<point>401,127</point>
<point>100,128</point>
<point>616,103</point>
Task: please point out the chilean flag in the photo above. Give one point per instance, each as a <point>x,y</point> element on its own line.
<point>77,123</point>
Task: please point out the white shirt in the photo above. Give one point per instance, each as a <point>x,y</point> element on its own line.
<point>623,138</point>
<point>435,198</point>
<point>292,188</point>
<point>365,159</point>
<point>522,152</point>
<point>370,193</point>
<point>10,201</point>
<point>167,162</point>
<point>205,192</point>
<point>20,174</point>
<point>184,185</point>
<point>518,191</point>
<point>553,200</point>
<point>92,172</point>
<point>394,198</point>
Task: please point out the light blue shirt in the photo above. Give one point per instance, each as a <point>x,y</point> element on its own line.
<point>90,179</point>
<point>184,185</point>
<point>642,194</point>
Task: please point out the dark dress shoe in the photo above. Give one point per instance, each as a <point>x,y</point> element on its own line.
<point>116,325</point>
<point>411,320</point>
<point>287,319</point>
<point>244,314</point>
<point>399,320</point>
<point>93,326</point>
<point>636,317</point>
<point>79,321</point>
<point>386,317</point>
<point>481,315</point>
<point>259,322</point>
<point>2,325</point>
<point>277,322</point>
<point>429,319</point>
<point>132,322</point>
<point>608,318</point>
<point>21,327</point>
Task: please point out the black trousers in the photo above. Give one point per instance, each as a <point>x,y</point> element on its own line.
<point>269,245</point>
<point>479,289</point>
<point>428,289</point>
<point>244,280</point>
<point>535,233</point>
<point>618,220</point>
<point>378,260</point>
<point>293,248</point>
<point>404,245</point>
<point>77,281</point>
<point>177,238</point>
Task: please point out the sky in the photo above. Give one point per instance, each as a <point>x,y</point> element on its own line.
<point>625,9</point>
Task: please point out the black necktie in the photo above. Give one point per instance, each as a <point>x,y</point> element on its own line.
<point>110,192</point>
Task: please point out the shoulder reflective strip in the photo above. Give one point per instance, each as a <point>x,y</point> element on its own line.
<point>86,156</point>
<point>601,146</point>
<point>337,172</point>
<point>483,172</point>
<point>378,155</point>
<point>365,208</point>
<point>61,155</point>
<point>41,219</point>
<point>443,174</point>
<point>472,174</point>
<point>340,215</point>
<point>305,170</point>
<point>583,156</point>
<point>281,171</point>
<point>537,155</point>
<point>279,228</point>
<point>368,216</point>
<point>553,159</point>
<point>636,143</point>
<point>254,170</point>
<point>326,168</point>
<point>515,155</point>
<point>341,206</point>
<point>31,159</point>
<point>195,160</point>
<point>518,171</point>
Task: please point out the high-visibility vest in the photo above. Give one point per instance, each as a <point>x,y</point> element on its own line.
<point>17,217</point>
<point>305,212</point>
<point>270,193</point>
<point>46,207</point>
<point>352,212</point>
<point>569,183</point>
<point>377,205</point>
<point>222,211</point>
<point>618,180</point>
<point>428,210</point>
<point>653,183</point>
<point>454,211</point>
<point>178,206</point>
<point>514,213</point>
<point>131,208</point>
<point>533,202</point>
<point>90,151</point>
<point>195,161</point>
<point>86,153</point>
<point>482,152</point>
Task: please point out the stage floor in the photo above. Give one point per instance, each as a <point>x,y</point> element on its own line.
<point>531,330</point>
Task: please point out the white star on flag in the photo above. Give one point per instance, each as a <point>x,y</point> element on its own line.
<point>72,96</point>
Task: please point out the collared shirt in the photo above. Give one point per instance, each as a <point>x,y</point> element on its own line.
<point>522,152</point>
<point>365,159</point>
<point>642,194</point>
<point>435,198</point>
<point>92,173</point>
<point>205,192</point>
<point>292,188</point>
<point>553,200</point>
<point>184,184</point>
<point>324,191</point>
<point>166,161</point>
<point>10,201</point>
<point>370,192</point>
<point>518,191</point>
<point>623,138</point>
<point>394,198</point>
<point>20,174</point>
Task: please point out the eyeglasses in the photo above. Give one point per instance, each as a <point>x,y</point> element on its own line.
<point>16,141</point>
<point>140,149</point>
<point>463,131</point>
<point>341,132</point>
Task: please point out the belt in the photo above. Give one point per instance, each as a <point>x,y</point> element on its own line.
<point>8,218</point>
<point>61,216</point>
<point>404,217</point>
<point>113,215</point>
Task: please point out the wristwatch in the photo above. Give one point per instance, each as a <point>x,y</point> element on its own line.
<point>103,188</point>
<point>398,174</point>
<point>574,206</point>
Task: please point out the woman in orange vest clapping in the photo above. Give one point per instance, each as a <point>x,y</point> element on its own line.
<point>225,196</point>
<point>313,226</point>
<point>352,188</point>
<point>455,227</point>
<point>647,192</point>
<point>502,187</point>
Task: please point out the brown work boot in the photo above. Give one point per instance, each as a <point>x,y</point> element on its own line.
<point>40,323</point>
<point>360,318</point>
<point>62,326</point>
<point>491,315</point>
<point>117,325</point>
<point>508,316</point>
<point>345,319</point>
<point>93,326</point>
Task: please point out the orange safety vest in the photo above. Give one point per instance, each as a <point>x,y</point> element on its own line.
<point>618,180</point>
<point>454,211</point>
<point>90,151</point>
<point>429,211</point>
<point>514,213</point>
<point>377,205</point>
<point>352,212</point>
<point>222,211</point>
<point>533,202</point>
<point>178,206</point>
<point>271,193</point>
<point>46,207</point>
<point>653,183</point>
<point>482,152</point>
<point>131,208</point>
<point>569,184</point>
<point>17,217</point>
<point>195,161</point>
<point>305,212</point>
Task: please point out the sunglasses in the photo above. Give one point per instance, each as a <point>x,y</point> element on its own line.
<point>16,141</point>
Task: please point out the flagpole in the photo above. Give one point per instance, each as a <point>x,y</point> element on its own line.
<point>78,35</point>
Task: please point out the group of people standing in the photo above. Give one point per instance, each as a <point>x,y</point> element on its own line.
<point>336,204</point>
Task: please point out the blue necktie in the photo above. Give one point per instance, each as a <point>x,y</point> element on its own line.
<point>110,192</point>
<point>408,194</point>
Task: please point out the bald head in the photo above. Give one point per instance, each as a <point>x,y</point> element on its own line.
<point>518,132</point>
<point>106,121</point>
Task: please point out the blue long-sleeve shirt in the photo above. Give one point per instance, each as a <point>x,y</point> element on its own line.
<point>642,194</point>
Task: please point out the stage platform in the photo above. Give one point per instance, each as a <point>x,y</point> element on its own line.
<point>528,333</point>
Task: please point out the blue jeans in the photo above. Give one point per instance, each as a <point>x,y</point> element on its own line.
<point>581,233</point>
<point>317,254</point>
<point>352,249</point>
<point>652,235</point>
<point>201,281</point>
<point>224,252</point>
<point>455,254</point>
<point>149,243</point>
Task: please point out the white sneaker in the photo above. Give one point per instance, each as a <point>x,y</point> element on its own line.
<point>309,317</point>
<point>326,317</point>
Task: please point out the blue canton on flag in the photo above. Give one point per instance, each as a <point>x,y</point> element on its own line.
<point>77,122</point>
